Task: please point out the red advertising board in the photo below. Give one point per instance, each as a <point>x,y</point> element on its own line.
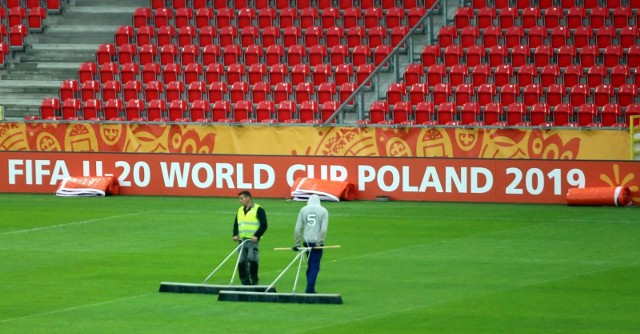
<point>414,179</point>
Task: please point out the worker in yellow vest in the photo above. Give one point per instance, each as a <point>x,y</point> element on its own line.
<point>250,224</point>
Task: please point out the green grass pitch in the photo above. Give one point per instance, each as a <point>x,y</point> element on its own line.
<point>94,265</point>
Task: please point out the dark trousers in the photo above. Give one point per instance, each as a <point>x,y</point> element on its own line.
<point>313,268</point>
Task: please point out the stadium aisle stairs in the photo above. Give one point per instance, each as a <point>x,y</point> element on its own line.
<point>69,38</point>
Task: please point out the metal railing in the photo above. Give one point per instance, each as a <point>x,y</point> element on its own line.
<point>392,62</point>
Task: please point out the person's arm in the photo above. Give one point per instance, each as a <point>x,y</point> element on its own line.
<point>297,232</point>
<point>235,229</point>
<point>324,226</point>
<point>262,218</point>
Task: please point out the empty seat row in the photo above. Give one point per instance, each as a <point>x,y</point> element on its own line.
<point>235,54</point>
<point>576,95</point>
<point>197,90</point>
<point>282,4</point>
<point>317,74</point>
<point>496,114</point>
<point>159,110</point>
<point>538,35</point>
<point>264,37</point>
<point>543,55</point>
<point>615,76</point>
<point>545,4</point>
<point>286,17</point>
<point>550,17</point>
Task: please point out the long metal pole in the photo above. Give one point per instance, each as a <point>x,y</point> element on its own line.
<point>225,260</point>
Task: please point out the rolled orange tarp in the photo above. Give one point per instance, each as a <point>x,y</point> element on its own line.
<point>89,186</point>
<point>599,196</point>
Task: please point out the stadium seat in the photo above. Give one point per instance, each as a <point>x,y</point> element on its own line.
<point>106,53</point>
<point>596,75</point>
<point>493,114</point>
<point>278,73</point>
<point>627,95</point>
<point>610,115</point>
<point>582,36</point>
<point>480,74</point>
<point>587,115</point>
<point>503,75</point>
<point>265,112</point>
<point>108,71</point>
<point>239,91</point>
<point>498,55</point>
<point>485,17</point>
<point>282,92</point>
<point>89,90</point>
<point>572,75</point>
<point>362,73</point>
<point>531,94</point>
<point>286,111</point>
<point>113,110</point>
<point>612,55</point>
<point>217,91</point>
<point>207,35</point>
<point>579,95</point>
<point>464,93</point>
<point>436,74</point>
<point>260,91</point>
<point>204,17</point>
<point>619,75</point>
<point>17,35</point>
<point>69,89</point>
<point>378,112</point>
<point>235,73</point>
<point>111,90</point>
<point>539,114</point>
<point>441,93</point>
<point>178,110</point>
<point>562,115</point>
<point>257,73</point>
<point>174,90</point>
<point>312,36</point>
<point>134,109</point>
<point>457,74</point>
<point>196,90</point>
<point>243,111</point>
<point>72,110</point>
<point>221,111</point>
<point>92,110</point>
<point>355,36</point>
<point>200,111</point>
<point>430,55</point>
<point>335,36</point>
<point>309,112</point>
<point>267,17</point>
<point>300,73</point>
<point>132,90</point>
<point>516,114</point>
<point>566,55</point>
<point>50,108</point>
<point>530,17</point>
<point>127,53</point>
<point>527,74</point>
<point>537,36</point>
<point>291,36</point>
<point>153,90</point>
<point>475,55</point>
<point>486,93</point>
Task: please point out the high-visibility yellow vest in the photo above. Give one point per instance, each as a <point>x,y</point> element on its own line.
<point>248,223</point>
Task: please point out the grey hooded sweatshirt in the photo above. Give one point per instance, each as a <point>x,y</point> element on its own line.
<point>312,224</point>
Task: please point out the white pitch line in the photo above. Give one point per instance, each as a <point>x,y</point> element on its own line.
<point>74,223</point>
<point>71,308</point>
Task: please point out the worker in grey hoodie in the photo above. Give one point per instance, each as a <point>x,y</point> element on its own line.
<point>310,231</point>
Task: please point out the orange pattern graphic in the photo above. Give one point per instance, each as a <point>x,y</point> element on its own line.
<point>491,143</point>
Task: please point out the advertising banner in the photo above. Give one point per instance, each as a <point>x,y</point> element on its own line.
<point>400,178</point>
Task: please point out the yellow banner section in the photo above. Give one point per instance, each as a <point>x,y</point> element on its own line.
<point>510,143</point>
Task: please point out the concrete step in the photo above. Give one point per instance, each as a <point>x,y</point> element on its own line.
<point>17,87</point>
